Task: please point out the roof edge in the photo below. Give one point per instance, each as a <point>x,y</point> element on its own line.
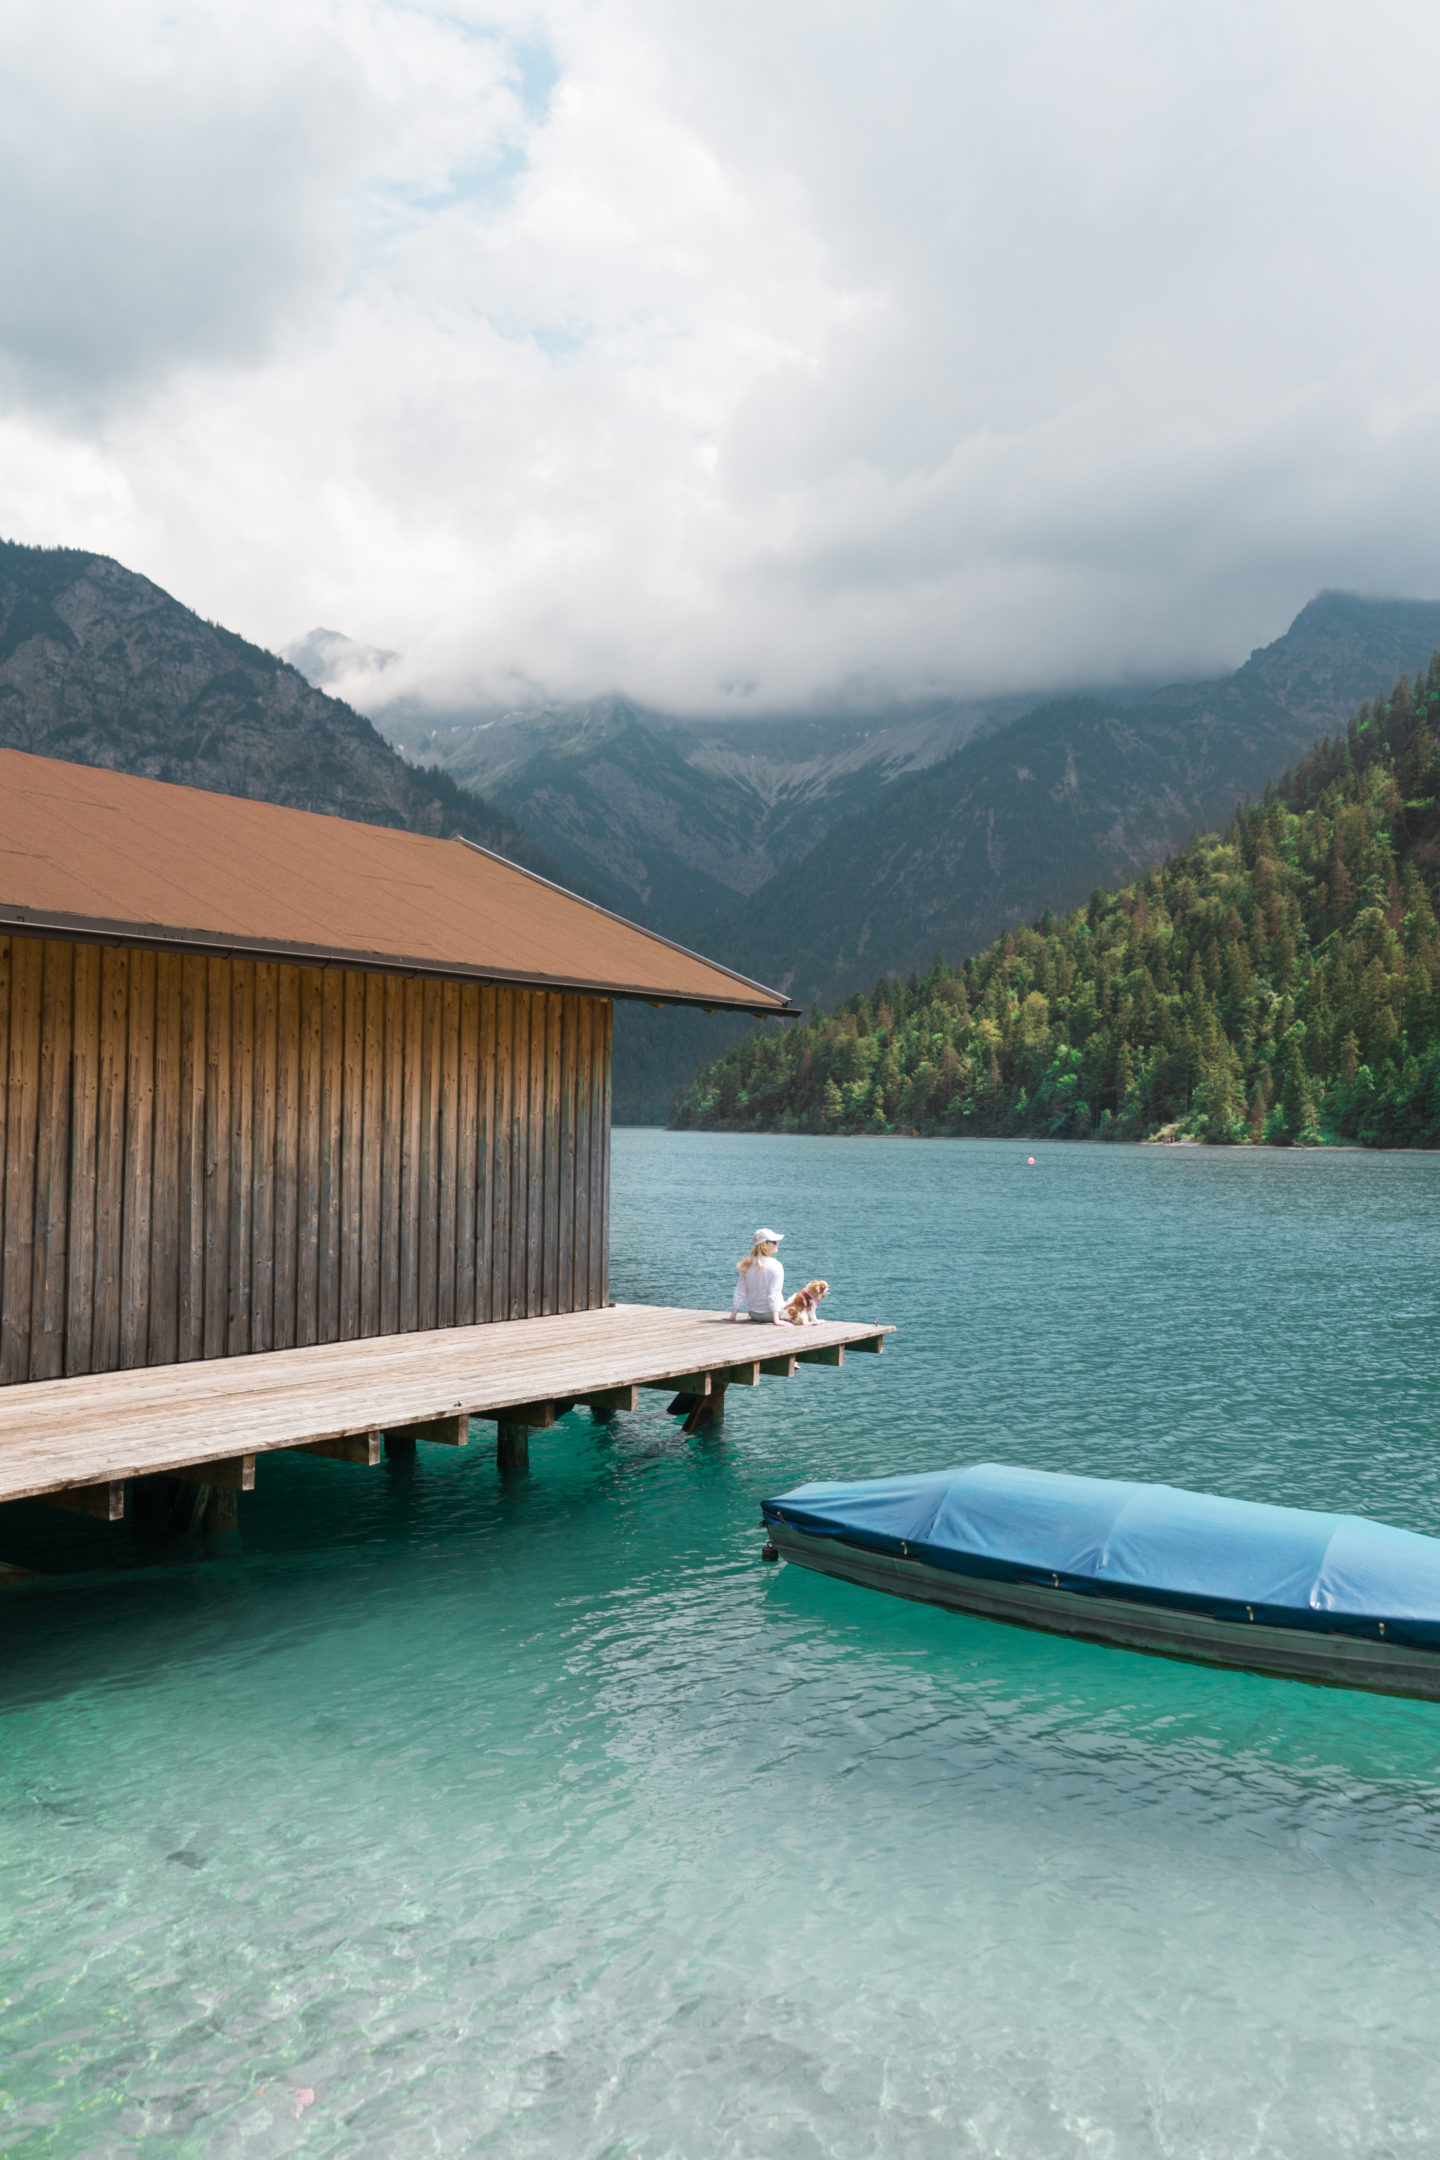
<point>782,1005</point>
<point>156,937</point>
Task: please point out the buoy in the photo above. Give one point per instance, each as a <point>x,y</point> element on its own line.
<point>1031,1160</point>
<point>769,1551</point>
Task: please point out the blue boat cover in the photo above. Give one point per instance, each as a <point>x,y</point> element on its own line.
<point>1152,1541</point>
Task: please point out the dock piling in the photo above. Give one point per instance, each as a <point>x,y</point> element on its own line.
<point>512,1447</point>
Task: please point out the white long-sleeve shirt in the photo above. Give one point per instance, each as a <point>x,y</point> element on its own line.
<point>761,1289</point>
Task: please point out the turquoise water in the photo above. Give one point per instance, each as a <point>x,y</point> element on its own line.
<point>548,1822</point>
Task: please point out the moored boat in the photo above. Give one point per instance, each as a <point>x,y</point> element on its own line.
<point>1291,1591</point>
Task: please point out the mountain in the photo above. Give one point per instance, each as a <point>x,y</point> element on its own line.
<point>819,851</point>
<point>670,821</point>
<point>1279,983</point>
<point>854,845</point>
<point>101,667</point>
<point>675,819</point>
<point>1077,793</point>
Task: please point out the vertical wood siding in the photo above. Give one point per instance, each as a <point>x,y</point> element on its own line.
<point>203,1157</point>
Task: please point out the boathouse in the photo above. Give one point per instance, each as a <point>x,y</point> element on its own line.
<point>306,1140</point>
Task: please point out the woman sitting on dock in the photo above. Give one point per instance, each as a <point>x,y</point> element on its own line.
<point>760,1292</point>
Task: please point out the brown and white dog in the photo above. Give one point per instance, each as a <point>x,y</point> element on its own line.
<point>800,1309</point>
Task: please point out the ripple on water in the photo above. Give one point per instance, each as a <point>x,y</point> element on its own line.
<point>549,1823</point>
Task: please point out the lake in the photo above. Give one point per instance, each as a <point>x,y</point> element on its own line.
<point>548,1822</point>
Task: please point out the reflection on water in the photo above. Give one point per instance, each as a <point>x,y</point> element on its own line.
<point>547,1822</point>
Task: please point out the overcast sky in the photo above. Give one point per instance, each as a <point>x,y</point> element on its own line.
<point>729,352</point>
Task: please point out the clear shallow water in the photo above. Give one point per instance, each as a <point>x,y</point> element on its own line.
<point>550,1823</point>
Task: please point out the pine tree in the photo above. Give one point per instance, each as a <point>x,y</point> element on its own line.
<point>1295,1108</point>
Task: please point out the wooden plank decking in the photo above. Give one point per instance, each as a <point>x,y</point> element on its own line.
<point>56,1434</point>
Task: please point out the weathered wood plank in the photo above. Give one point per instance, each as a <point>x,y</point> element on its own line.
<point>584,1154</point>
<point>190,1160</point>
<point>362,1448</point>
<point>156,1420</point>
<point>231,1473</point>
<point>110,1160</point>
<point>532,1141</point>
<point>615,1398</point>
<point>550,1300</point>
<point>352,1154</point>
<point>240,1275</point>
<point>103,1503</point>
<point>535,1153</point>
<point>467,1142</point>
<point>580,1249</point>
<point>427,1177</point>
<point>82,1193</point>
<point>163,1338</point>
<point>412,1120</point>
<point>21,1132</point>
<point>372,1158</point>
<point>606,1014</point>
<point>565,1238</point>
<point>503,1067</point>
<point>443,1431</point>
<point>525,1216</point>
<point>448,1152</point>
<point>597,1271</point>
<point>227,1207</point>
<point>139,1160</point>
<point>52,1163</point>
<point>778,1368</point>
<point>327,1173</point>
<point>7,961</point>
<point>540,1416</point>
<point>484,1152</point>
<point>263,1334</point>
<point>287,1154</point>
<point>828,1354</point>
<point>392,1148</point>
<point>215,1292</point>
<point>520,1157</point>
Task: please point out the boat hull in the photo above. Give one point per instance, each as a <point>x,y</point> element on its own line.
<point>1333,1660</point>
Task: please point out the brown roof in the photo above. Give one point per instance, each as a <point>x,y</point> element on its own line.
<point>90,853</point>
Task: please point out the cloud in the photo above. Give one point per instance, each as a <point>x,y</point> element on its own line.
<point>744,355</point>
<point>164,184</point>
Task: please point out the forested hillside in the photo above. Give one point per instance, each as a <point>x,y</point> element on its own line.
<point>1080,792</point>
<point>866,843</point>
<point>1277,983</point>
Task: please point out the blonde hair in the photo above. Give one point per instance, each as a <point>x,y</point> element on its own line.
<point>758,1251</point>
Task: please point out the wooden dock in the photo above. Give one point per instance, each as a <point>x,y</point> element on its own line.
<point>209,1420</point>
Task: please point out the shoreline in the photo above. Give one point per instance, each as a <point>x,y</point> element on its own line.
<point>1212,1147</point>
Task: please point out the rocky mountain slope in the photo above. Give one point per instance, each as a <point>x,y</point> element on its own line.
<point>678,819</point>
<point>101,667</point>
<point>1077,793</point>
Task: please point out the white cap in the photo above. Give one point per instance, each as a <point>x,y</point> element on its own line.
<point>769,1237</point>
